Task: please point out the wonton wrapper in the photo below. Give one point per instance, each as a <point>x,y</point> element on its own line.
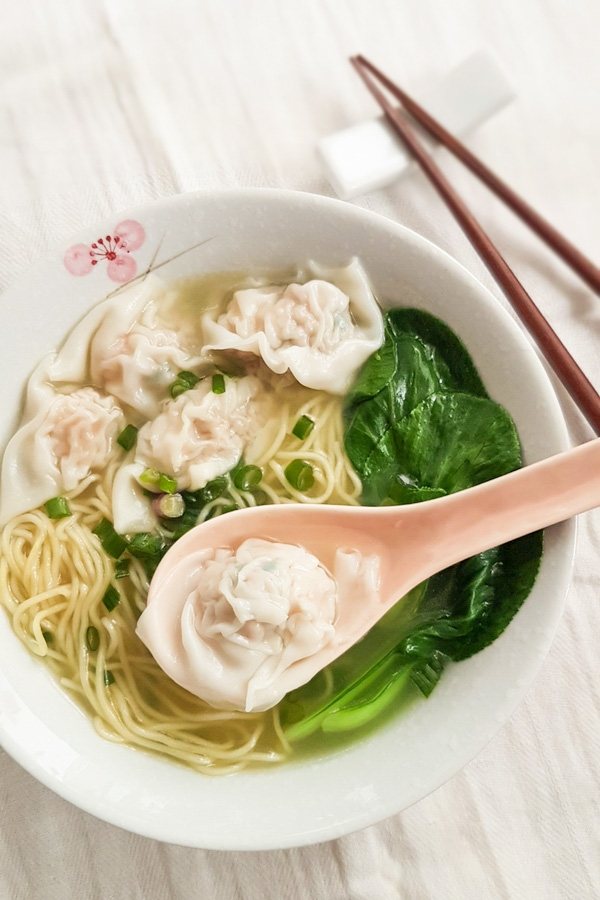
<point>131,508</point>
<point>137,361</point>
<point>70,436</point>
<point>202,435</point>
<point>321,331</point>
<point>31,473</point>
<point>239,627</point>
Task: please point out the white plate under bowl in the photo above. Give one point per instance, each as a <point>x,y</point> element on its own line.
<point>321,798</point>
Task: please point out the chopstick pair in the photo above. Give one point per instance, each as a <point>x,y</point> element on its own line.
<point>573,378</point>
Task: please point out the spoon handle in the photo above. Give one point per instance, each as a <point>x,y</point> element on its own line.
<point>509,507</point>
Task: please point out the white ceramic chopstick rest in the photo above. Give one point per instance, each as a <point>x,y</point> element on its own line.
<point>369,155</point>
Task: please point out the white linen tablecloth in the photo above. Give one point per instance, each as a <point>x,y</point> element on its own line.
<point>108,103</point>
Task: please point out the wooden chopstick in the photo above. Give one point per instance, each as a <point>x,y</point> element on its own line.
<point>572,377</point>
<point>570,254</point>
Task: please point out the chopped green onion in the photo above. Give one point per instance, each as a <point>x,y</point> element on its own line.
<point>171,506</point>
<point>92,638</point>
<point>158,481</point>
<point>189,378</point>
<point>212,490</point>
<point>303,427</point>
<point>300,474</point>
<point>48,636</point>
<point>57,508</point>
<point>150,565</point>
<point>185,381</point>
<point>221,510</point>
<point>218,383</point>
<point>128,437</point>
<point>111,598</point>
<point>150,478</point>
<point>247,478</point>
<point>178,388</point>
<point>122,568</point>
<point>113,543</point>
<point>144,545</point>
<point>167,484</point>
<point>188,520</point>
<point>109,678</point>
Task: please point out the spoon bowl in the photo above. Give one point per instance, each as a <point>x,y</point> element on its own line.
<point>411,542</point>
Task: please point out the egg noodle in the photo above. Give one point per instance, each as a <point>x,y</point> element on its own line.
<point>54,574</point>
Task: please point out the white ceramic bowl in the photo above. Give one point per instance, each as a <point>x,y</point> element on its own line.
<point>322,798</point>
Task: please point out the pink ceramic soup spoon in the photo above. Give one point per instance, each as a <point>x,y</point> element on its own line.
<point>412,542</point>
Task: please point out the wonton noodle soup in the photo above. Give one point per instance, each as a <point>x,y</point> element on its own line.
<point>171,404</point>
<point>54,572</point>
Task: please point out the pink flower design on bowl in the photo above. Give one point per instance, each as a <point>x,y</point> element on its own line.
<point>131,233</point>
<point>77,259</point>
<point>114,249</point>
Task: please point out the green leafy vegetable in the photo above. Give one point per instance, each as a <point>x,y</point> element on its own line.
<point>448,442</point>
<point>419,425</point>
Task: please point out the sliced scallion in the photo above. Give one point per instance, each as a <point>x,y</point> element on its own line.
<point>122,568</point>
<point>92,638</point>
<point>166,484</point>
<point>144,545</point>
<point>247,478</point>
<point>113,543</point>
<point>128,437</point>
<point>170,506</point>
<point>300,474</point>
<point>303,427</point>
<point>213,489</point>
<point>57,508</point>
<point>187,521</point>
<point>109,678</point>
<point>218,383</point>
<point>150,478</point>
<point>158,481</point>
<point>111,598</point>
<point>185,381</point>
<point>221,510</point>
<point>150,565</point>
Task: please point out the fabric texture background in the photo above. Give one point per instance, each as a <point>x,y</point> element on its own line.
<point>110,103</point>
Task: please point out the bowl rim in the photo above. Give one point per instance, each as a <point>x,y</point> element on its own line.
<point>25,758</point>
